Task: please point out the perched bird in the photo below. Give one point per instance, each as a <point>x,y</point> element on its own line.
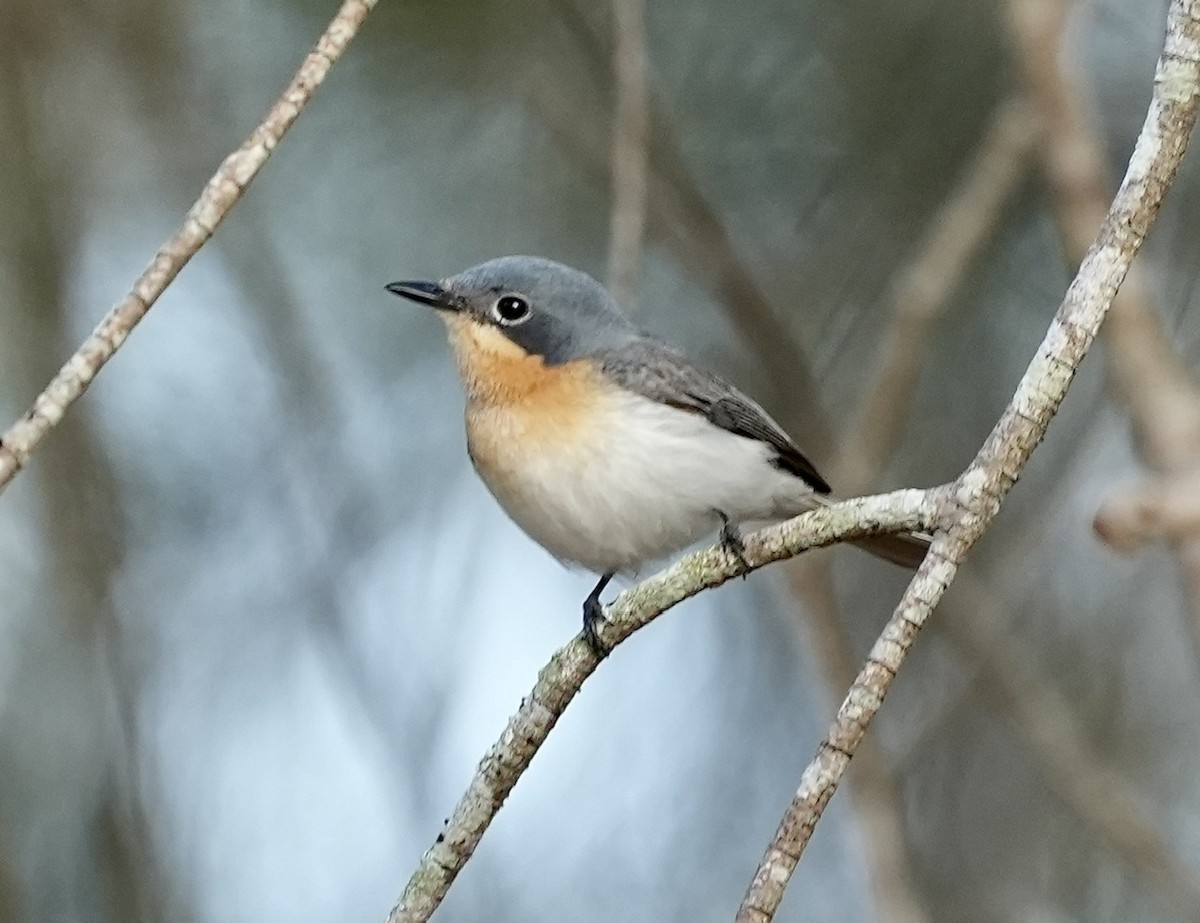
<point>606,446</point>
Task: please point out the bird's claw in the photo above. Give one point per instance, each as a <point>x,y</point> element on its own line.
<point>731,541</point>
<point>593,622</point>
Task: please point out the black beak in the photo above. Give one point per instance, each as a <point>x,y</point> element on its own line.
<point>429,293</point>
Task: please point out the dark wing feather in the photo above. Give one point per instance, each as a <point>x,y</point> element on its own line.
<point>656,371</point>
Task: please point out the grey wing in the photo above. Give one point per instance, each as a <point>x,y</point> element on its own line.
<point>656,371</point>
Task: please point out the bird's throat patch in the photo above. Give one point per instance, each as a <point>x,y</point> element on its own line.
<point>521,411</point>
<point>496,370</point>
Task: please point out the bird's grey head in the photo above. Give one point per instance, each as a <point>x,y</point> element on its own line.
<point>546,308</point>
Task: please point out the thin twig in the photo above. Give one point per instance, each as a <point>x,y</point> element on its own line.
<point>560,679</point>
<point>630,150</point>
<point>221,193</point>
<point>874,790</point>
<point>982,487</point>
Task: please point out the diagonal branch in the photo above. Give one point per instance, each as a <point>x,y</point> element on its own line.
<point>561,678</point>
<point>221,193</point>
<point>980,490</point>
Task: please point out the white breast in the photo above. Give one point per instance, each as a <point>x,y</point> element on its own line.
<point>644,481</point>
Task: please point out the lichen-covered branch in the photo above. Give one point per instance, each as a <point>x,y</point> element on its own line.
<point>220,194</point>
<point>561,678</point>
<point>980,490</point>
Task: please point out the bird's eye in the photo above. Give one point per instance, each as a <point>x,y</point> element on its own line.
<point>511,310</point>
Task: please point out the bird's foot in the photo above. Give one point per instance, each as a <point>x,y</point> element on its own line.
<point>593,618</point>
<point>593,621</point>
<point>731,541</point>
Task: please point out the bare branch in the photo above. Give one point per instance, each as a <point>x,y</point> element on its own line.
<point>874,791</point>
<point>630,150</point>
<point>980,490</point>
<point>560,679</point>
<point>1144,367</point>
<point>221,193</point>
<point>823,774</point>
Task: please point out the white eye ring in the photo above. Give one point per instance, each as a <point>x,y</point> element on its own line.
<point>511,309</point>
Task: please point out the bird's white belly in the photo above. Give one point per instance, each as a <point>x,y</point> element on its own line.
<point>639,481</point>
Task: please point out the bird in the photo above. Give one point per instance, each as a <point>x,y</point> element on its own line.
<point>605,445</point>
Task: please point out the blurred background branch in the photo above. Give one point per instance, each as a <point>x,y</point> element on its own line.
<point>957,235</point>
<point>85,670</point>
<point>631,128</point>
<point>1078,774</point>
<point>686,222</point>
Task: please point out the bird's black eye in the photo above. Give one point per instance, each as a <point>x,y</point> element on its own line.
<point>511,309</point>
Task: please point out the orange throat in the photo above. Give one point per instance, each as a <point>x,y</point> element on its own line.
<point>495,370</point>
<point>516,403</point>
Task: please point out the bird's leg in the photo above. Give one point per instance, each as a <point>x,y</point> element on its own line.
<point>593,616</point>
<point>731,541</point>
